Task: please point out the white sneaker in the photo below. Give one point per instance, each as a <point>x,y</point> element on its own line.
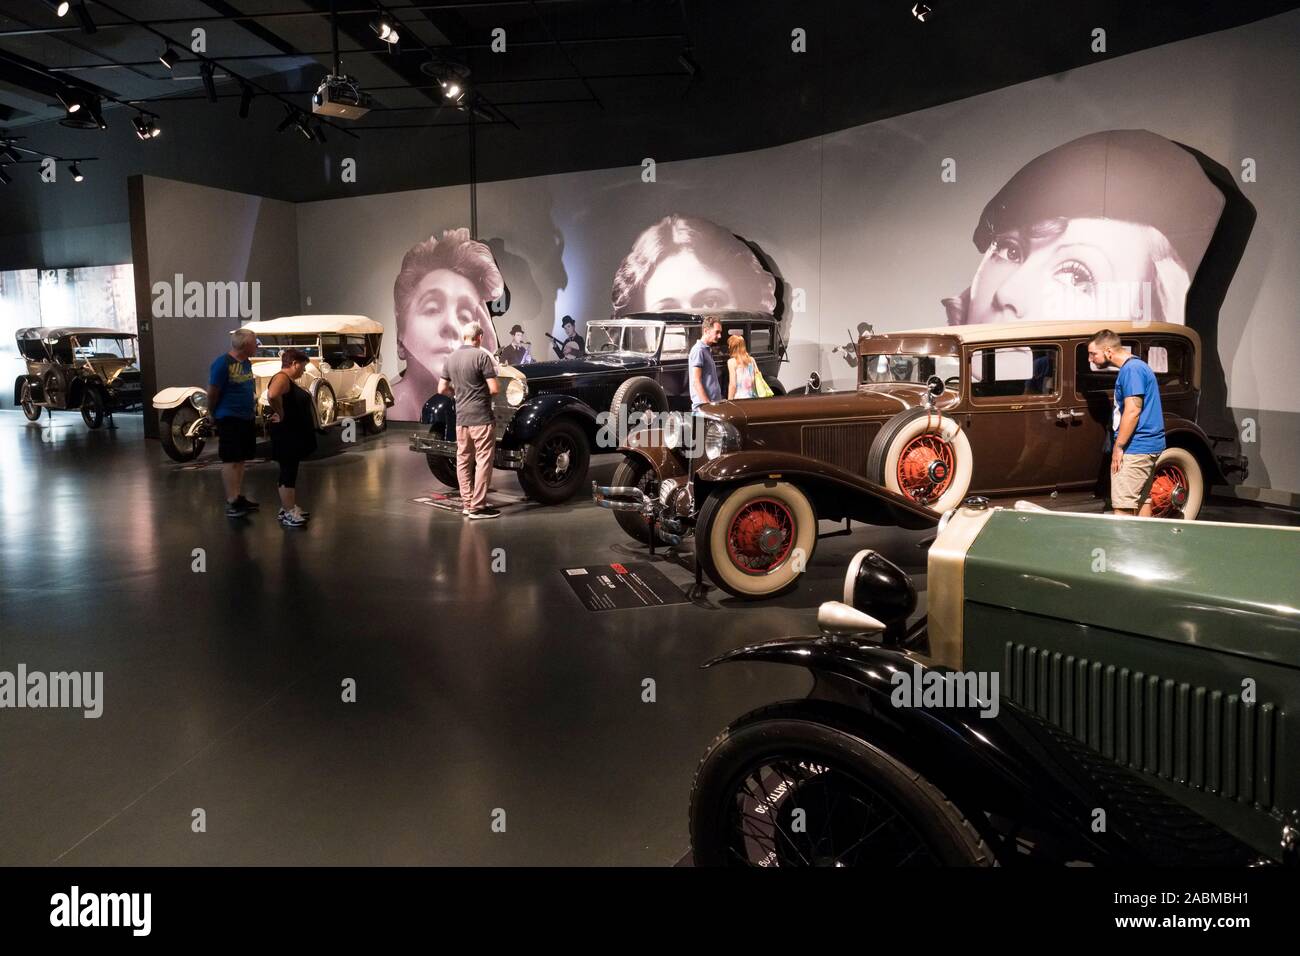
<point>304,515</point>
<point>291,520</point>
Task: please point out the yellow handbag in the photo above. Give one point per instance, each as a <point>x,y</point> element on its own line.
<point>761,388</point>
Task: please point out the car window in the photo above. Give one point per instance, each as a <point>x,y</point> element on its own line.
<point>62,351</point>
<point>760,339</point>
<point>1171,361</point>
<point>32,349</point>
<point>334,351</point>
<point>678,340</point>
<point>1089,378</point>
<point>1014,372</point>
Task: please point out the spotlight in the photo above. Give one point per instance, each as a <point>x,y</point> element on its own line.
<point>452,91</point>
<point>146,127</point>
<point>245,100</point>
<point>86,115</point>
<point>70,101</point>
<point>83,17</point>
<point>4,177</point>
<point>209,85</point>
<point>169,58</point>
<point>385,29</point>
<point>921,11</point>
<point>304,126</point>
<point>76,173</point>
<point>60,7</point>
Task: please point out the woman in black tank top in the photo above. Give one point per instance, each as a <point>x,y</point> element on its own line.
<point>293,431</point>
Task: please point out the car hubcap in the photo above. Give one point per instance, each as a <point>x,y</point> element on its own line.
<point>925,468</point>
<point>555,459</point>
<point>760,536</point>
<point>1169,491</point>
<point>843,821</point>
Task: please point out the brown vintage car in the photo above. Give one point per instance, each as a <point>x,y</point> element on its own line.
<point>995,410</point>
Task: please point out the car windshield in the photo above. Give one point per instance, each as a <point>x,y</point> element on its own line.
<point>270,346</point>
<point>908,367</point>
<point>637,339</point>
<point>105,347</point>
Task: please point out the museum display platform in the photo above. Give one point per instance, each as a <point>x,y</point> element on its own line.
<point>477,688</point>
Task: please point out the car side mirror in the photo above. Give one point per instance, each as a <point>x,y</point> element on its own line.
<point>814,382</point>
<point>935,384</point>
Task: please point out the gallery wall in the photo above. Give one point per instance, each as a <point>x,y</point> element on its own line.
<point>204,236</point>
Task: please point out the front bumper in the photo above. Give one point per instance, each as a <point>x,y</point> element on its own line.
<point>511,459</point>
<point>669,526</point>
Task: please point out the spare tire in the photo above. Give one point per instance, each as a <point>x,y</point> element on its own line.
<point>923,455</point>
<point>639,394</point>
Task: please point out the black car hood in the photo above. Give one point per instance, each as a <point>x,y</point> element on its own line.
<point>534,371</point>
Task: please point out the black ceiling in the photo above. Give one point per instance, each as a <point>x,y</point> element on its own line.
<point>583,83</point>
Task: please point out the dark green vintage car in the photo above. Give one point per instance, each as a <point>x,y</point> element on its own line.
<point>1082,688</point>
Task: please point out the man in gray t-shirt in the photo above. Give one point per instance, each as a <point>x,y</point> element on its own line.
<point>470,375</point>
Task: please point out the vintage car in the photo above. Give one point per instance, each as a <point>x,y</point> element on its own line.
<point>93,370</point>
<point>1084,689</point>
<point>344,379</point>
<point>547,412</point>
<point>1007,409</point>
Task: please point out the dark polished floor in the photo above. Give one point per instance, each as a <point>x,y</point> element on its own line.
<point>476,690</point>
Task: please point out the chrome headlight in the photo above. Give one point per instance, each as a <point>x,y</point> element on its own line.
<point>200,401</point>
<point>673,430</point>
<point>516,392</point>
<point>719,438</point>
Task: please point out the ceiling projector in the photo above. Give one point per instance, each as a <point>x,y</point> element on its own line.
<point>341,97</point>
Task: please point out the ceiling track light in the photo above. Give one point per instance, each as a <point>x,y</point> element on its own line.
<point>77,175</point>
<point>60,7</point>
<point>146,126</point>
<point>169,58</point>
<point>71,103</point>
<point>921,11</point>
<point>304,126</point>
<point>84,111</point>
<point>386,29</point>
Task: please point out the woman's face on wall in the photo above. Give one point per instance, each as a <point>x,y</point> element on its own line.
<point>1092,270</point>
<point>681,281</point>
<point>442,304</point>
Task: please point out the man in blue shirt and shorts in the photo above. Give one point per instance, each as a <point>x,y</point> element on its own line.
<point>1137,425</point>
<point>703,371</point>
<point>231,403</point>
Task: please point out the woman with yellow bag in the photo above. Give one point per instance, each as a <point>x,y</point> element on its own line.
<point>744,380</point>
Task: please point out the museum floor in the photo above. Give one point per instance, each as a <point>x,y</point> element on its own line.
<point>476,689</point>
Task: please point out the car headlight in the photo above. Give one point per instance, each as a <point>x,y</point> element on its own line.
<point>673,430</point>
<point>516,392</point>
<point>719,438</point>
<point>200,401</point>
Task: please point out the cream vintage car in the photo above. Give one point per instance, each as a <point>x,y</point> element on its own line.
<point>343,377</point>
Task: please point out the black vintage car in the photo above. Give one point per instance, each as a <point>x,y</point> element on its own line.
<point>547,423</point>
<point>93,370</point>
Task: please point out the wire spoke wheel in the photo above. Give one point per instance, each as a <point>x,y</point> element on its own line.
<point>555,459</point>
<point>760,535</point>
<point>925,467</point>
<point>1169,491</point>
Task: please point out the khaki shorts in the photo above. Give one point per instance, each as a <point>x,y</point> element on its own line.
<point>1130,486</point>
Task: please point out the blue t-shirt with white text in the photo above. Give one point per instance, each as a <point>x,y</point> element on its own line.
<point>1136,379</point>
<point>235,379</point>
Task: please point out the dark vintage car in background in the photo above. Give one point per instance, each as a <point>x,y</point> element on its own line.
<point>1144,705</point>
<point>94,371</point>
<point>1009,409</point>
<point>546,412</point>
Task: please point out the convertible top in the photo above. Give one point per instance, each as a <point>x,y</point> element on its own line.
<point>312,324</point>
<point>60,332</point>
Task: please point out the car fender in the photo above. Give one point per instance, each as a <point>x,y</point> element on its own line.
<point>177,395</point>
<point>664,462</point>
<point>1184,433</point>
<point>30,380</point>
<point>440,410</point>
<point>863,499</point>
<point>371,386</point>
<point>1008,770</point>
<point>536,413</point>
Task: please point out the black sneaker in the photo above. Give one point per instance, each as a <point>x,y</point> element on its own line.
<point>488,512</point>
<point>246,504</point>
<point>235,510</point>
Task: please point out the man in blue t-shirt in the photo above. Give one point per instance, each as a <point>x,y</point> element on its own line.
<point>1137,425</point>
<point>703,371</point>
<point>231,403</point>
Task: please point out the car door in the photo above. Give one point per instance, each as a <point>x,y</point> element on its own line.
<point>674,353</point>
<point>1015,397</point>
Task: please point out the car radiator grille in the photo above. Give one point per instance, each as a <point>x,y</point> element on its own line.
<point>845,446</point>
<point>1203,739</point>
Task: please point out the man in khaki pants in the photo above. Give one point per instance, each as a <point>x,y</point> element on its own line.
<point>470,375</point>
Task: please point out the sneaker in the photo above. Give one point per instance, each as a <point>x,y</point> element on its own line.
<point>300,513</point>
<point>486,512</point>
<point>247,505</point>
<point>290,520</point>
<point>235,510</point>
